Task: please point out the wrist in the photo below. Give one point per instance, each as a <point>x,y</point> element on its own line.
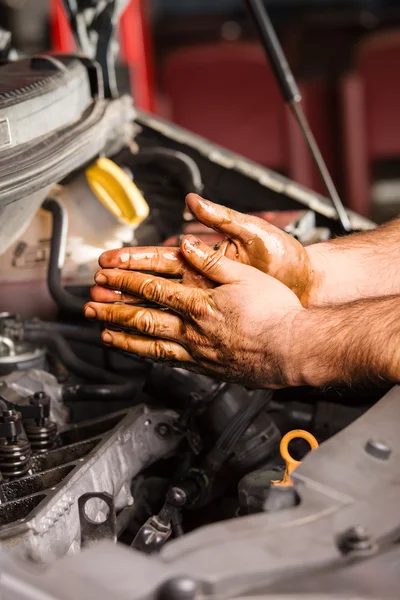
<point>322,270</point>
<point>299,362</point>
<point>302,367</point>
<point>320,346</point>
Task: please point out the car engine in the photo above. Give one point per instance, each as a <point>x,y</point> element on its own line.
<point>137,479</point>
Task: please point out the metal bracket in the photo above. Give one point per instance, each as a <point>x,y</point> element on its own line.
<point>93,531</point>
<point>33,407</point>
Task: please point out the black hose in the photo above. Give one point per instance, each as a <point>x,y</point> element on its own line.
<point>159,154</point>
<point>113,387</point>
<point>63,299</point>
<point>83,392</point>
<point>77,333</point>
<point>225,444</point>
<point>57,344</point>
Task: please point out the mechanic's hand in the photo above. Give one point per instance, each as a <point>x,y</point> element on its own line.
<point>168,261</point>
<point>250,240</point>
<point>253,241</point>
<point>239,330</point>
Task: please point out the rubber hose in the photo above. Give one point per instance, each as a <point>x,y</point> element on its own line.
<point>62,298</point>
<point>55,342</point>
<point>190,166</point>
<point>83,392</point>
<point>81,334</point>
<point>77,333</point>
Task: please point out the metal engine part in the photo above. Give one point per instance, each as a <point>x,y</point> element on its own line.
<point>15,353</point>
<point>341,537</point>
<point>40,511</point>
<point>32,381</point>
<point>65,488</point>
<point>216,405</point>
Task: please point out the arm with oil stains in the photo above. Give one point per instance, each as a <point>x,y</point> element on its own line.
<point>249,328</point>
<point>361,265</point>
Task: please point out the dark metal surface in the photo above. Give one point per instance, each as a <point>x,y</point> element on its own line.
<point>99,456</point>
<point>35,407</point>
<point>341,537</point>
<point>155,532</point>
<point>228,177</point>
<point>15,450</point>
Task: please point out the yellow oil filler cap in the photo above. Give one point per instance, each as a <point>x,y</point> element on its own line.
<point>117,192</point>
<point>291,463</point>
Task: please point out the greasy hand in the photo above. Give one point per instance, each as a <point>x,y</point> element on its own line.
<point>168,261</point>
<point>239,330</point>
<point>250,240</point>
<point>253,241</point>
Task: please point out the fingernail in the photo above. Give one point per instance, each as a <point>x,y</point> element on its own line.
<point>207,206</point>
<point>193,195</point>
<point>90,313</point>
<point>100,278</point>
<point>106,337</point>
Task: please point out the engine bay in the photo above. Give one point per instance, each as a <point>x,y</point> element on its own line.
<point>99,447</point>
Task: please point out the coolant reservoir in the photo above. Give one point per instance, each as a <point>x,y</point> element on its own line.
<point>102,214</point>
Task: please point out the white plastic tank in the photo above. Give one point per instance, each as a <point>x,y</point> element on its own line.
<point>94,225</point>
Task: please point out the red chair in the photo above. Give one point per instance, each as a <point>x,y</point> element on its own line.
<point>371,114</point>
<point>227,93</point>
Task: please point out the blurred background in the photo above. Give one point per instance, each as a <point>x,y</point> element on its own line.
<point>199,64</point>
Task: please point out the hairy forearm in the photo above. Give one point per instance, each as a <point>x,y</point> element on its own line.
<point>348,343</point>
<point>362,265</point>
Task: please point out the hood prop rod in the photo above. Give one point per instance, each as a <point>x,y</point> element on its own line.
<point>292,97</point>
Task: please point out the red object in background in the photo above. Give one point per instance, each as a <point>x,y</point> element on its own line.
<point>211,90</point>
<point>62,39</point>
<point>371,114</point>
<point>227,93</point>
<point>137,51</point>
<point>136,47</point>
<point>317,106</point>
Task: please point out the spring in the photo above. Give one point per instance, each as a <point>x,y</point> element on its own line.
<point>41,436</point>
<point>15,456</point>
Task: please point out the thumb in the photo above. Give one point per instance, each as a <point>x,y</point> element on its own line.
<point>211,262</point>
<point>220,218</point>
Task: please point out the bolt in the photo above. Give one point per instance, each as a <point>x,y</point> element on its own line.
<point>177,497</point>
<point>42,401</point>
<point>39,398</point>
<point>163,429</point>
<point>8,415</point>
<point>178,588</point>
<point>378,449</point>
<point>355,539</point>
<point>12,423</point>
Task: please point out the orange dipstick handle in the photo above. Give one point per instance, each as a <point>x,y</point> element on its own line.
<point>291,463</point>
